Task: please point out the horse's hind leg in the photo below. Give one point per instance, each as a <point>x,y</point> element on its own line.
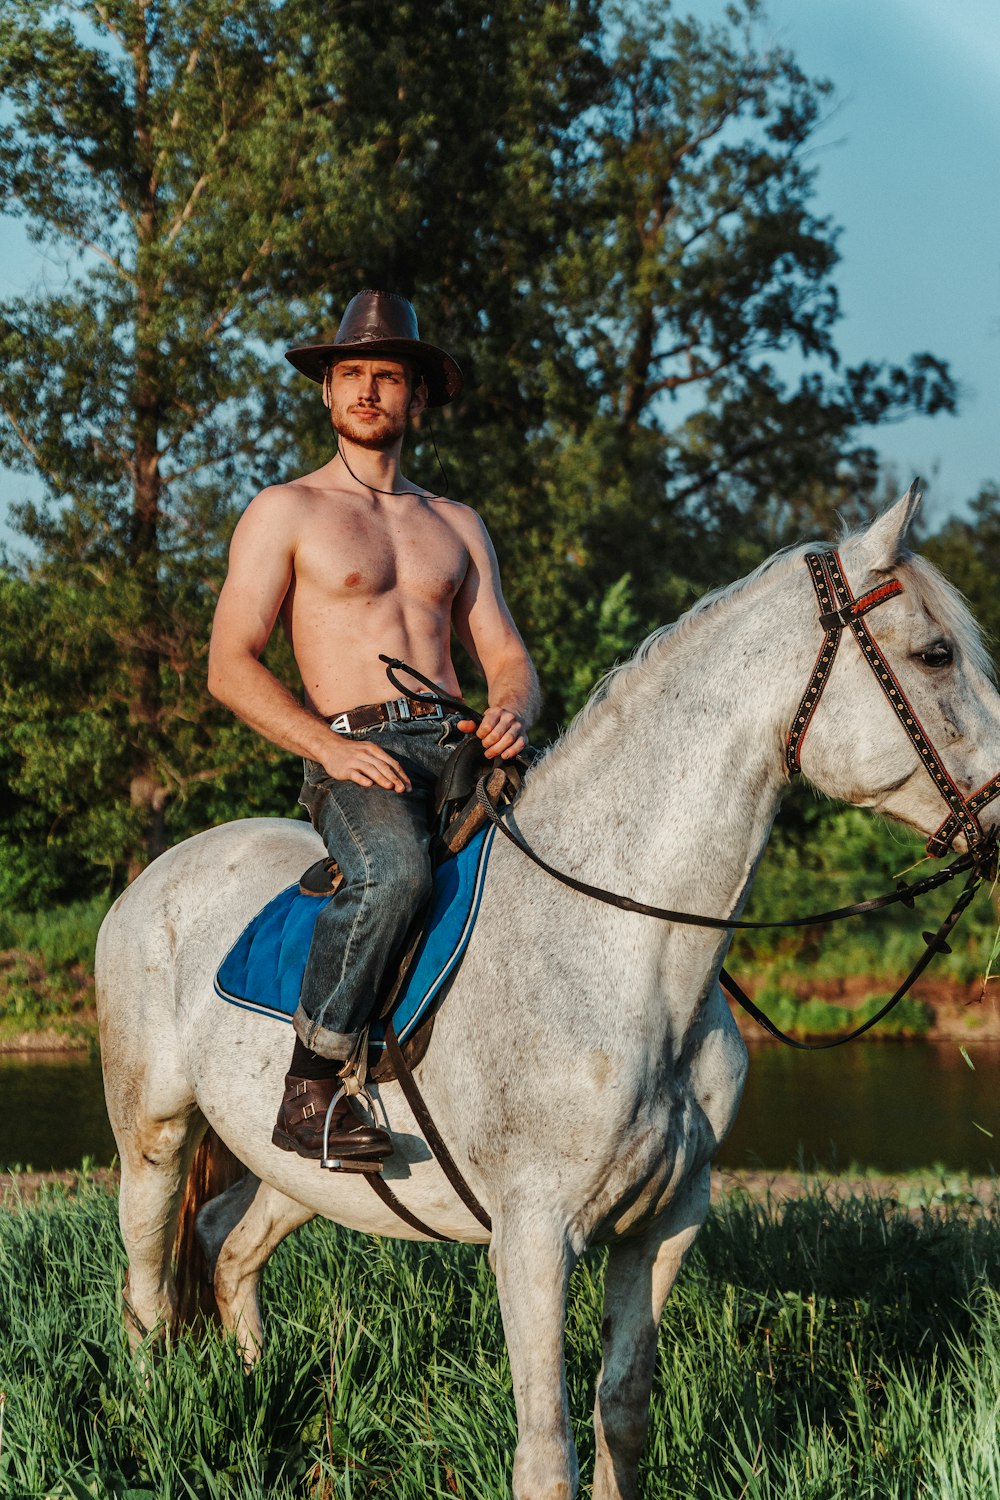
<point>154,1166</point>
<point>639,1276</point>
<point>532,1261</point>
<point>239,1231</point>
<point>157,1127</point>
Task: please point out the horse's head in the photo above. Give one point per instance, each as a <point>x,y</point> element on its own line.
<point>865,742</point>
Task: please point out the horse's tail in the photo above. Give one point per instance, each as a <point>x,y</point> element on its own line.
<point>213,1170</point>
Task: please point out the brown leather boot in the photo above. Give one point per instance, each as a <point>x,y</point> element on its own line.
<point>302,1116</point>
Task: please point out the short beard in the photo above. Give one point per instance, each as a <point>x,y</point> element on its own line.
<point>362,437</point>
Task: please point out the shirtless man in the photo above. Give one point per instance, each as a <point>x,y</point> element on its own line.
<point>357,561</point>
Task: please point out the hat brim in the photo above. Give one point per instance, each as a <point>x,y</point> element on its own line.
<point>440,371</point>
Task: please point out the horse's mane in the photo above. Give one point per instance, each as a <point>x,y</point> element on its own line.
<point>943,600</point>
<point>647,661</point>
<point>940,598</point>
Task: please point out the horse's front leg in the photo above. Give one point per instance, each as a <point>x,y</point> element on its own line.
<point>640,1273</point>
<point>532,1262</point>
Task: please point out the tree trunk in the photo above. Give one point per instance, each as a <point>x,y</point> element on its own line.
<point>147,794</point>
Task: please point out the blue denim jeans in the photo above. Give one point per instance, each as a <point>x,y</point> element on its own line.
<point>381,841</point>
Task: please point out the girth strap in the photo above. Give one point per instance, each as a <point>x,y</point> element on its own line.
<point>435,1141</point>
<point>432,1135</point>
<point>385,1192</point>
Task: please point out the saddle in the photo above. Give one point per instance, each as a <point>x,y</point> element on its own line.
<point>459,815</point>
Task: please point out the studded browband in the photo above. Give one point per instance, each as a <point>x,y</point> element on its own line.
<point>839,608</point>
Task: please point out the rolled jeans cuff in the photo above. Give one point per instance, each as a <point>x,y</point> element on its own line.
<point>335,1045</point>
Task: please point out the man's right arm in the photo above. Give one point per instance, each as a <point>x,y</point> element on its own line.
<point>261,561</point>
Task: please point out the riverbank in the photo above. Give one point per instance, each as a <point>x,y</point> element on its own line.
<point>940,1010</point>
<point>937,1009</point>
<point>914,1192</point>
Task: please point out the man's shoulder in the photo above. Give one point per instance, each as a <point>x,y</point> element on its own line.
<point>291,492</point>
<point>459,515</point>
<point>281,507</point>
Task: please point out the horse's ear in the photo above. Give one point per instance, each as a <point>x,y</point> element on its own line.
<point>881,546</point>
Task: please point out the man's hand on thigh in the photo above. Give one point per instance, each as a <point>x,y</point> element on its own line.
<point>365,763</point>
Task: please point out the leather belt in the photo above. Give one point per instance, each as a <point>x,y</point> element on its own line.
<point>396,711</point>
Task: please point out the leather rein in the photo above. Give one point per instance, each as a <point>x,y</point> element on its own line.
<point>838,609</point>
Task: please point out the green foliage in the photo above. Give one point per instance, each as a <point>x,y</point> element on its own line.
<point>615,230</point>
<point>36,999</point>
<point>966,552</point>
<point>47,967</point>
<point>821,857</point>
<point>809,1349</point>
<point>812,1017</point>
<point>60,937</point>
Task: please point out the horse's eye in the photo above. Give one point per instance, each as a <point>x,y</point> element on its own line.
<point>938,655</point>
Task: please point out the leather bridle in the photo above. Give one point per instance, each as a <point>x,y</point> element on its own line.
<point>839,608</point>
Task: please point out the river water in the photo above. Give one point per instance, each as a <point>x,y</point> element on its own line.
<point>888,1106</point>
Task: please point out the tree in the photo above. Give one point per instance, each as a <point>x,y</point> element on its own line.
<point>607,216</point>
<point>697,288</point>
<point>225,176</point>
<point>143,136</point>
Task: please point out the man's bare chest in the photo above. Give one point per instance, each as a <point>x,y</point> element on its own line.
<point>347,555</point>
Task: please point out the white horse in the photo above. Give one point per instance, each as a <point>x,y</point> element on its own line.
<point>584,1067</point>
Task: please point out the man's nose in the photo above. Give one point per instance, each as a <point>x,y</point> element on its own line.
<point>369,388</point>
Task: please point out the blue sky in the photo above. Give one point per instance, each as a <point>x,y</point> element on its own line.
<point>909,166</point>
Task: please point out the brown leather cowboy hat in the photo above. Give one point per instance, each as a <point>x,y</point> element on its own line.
<point>382,323</point>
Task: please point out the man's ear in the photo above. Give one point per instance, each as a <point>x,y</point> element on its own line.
<point>419,398</point>
<point>328,386</point>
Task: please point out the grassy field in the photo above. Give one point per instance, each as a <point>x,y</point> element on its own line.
<point>813,1349</point>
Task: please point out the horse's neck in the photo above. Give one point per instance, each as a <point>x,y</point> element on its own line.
<point>667,791</point>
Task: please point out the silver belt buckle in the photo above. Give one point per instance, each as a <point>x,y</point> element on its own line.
<point>401,709</point>
<point>341,724</point>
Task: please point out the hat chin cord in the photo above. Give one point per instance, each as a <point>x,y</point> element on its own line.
<point>327,391</point>
<point>374,487</point>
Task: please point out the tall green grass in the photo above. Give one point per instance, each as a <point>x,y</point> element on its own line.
<point>813,1350</point>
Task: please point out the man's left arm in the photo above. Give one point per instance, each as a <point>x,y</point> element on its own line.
<point>486,629</point>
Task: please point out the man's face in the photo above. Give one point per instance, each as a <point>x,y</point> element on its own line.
<point>372,400</point>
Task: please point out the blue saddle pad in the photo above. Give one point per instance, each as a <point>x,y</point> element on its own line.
<point>263,969</point>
